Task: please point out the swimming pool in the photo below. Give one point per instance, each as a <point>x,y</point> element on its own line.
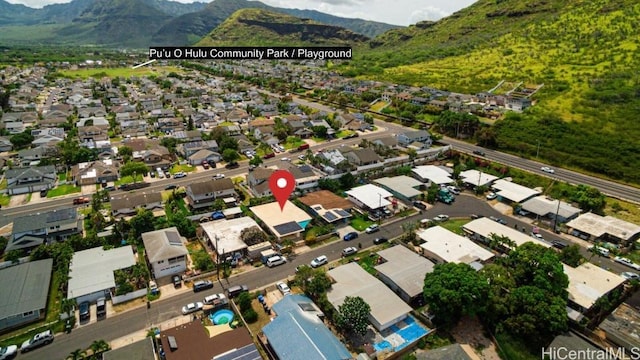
<point>401,337</point>
<point>223,316</point>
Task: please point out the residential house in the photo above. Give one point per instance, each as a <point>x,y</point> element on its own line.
<point>263,132</point>
<point>518,104</point>
<point>90,136</point>
<point>30,231</point>
<point>388,142</point>
<point>409,137</point>
<point>95,172</point>
<point>204,155</point>
<point>231,129</point>
<point>258,181</point>
<point>30,179</point>
<point>335,157</point>
<point>306,178</point>
<point>93,121</point>
<point>188,135</point>
<point>25,288</point>
<point>320,122</point>
<point>261,122</point>
<point>169,125</point>
<point>133,128</point>
<point>237,116</point>
<point>14,127</point>
<point>94,111</point>
<point>129,203</point>
<point>31,157</point>
<point>5,144</point>
<point>166,252</point>
<point>190,148</point>
<point>363,157</point>
<point>204,194</point>
<point>157,156</point>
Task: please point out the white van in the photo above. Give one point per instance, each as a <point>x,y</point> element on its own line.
<point>160,173</point>
<point>600,250</point>
<point>275,261</point>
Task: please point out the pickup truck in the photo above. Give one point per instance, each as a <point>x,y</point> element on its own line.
<point>81,200</point>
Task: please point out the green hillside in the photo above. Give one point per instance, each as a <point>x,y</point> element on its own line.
<point>257,27</point>
<point>584,52</point>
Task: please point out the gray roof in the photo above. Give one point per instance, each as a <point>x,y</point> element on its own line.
<point>25,172</point>
<point>164,244</point>
<point>139,350</point>
<point>92,270</point>
<point>132,200</point>
<point>405,268</point>
<point>24,287</point>
<point>449,352</point>
<point>541,205</point>
<point>412,135</point>
<point>571,342</point>
<point>210,186</point>
<point>43,220</point>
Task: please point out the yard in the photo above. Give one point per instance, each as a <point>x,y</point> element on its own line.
<point>182,168</point>
<point>512,349</point>
<point>65,189</point>
<point>455,225</point>
<point>263,318</point>
<point>378,106</point>
<point>293,142</point>
<point>3,184</point>
<point>4,199</point>
<point>342,133</point>
<point>360,222</point>
<point>129,179</point>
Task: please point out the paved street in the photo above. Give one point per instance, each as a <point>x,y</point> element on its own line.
<point>165,309</point>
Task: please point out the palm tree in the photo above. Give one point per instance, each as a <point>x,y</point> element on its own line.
<point>77,354</point>
<point>99,346</point>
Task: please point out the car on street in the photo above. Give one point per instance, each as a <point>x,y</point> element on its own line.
<point>236,290</point>
<point>558,244</point>
<point>179,174</point>
<point>479,152</point>
<point>285,159</point>
<point>215,299</point>
<point>218,176</point>
<point>475,216</point>
<point>39,339</point>
<point>284,288</point>
<point>491,196</point>
<point>349,251</point>
<point>441,217</point>
<point>81,200</point>
<point>627,262</point>
<point>350,236</point>
<point>170,187</point>
<point>630,275</point>
<point>192,307</point>
<point>420,205</point>
<point>547,170</point>
<point>380,240</point>
<point>372,228</point>
<point>202,285</point>
<point>8,352</point>
<point>537,236</point>
<point>319,261</point>
<point>232,165</point>
<point>302,157</point>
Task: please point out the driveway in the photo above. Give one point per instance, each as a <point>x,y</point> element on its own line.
<point>88,189</point>
<point>17,200</point>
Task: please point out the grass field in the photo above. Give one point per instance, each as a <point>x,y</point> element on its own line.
<point>65,189</point>
<point>360,223</point>
<point>455,225</point>
<point>184,168</point>
<point>129,179</point>
<point>119,72</point>
<point>4,199</point>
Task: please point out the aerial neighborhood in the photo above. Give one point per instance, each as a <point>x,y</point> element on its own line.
<point>121,194</point>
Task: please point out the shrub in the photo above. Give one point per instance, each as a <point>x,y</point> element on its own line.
<point>250,316</point>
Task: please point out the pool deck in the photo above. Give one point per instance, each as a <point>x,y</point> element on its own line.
<point>218,329</point>
<point>400,335</point>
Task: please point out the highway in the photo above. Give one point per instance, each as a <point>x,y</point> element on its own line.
<point>165,309</point>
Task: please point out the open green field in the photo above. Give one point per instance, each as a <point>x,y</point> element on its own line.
<point>124,72</point>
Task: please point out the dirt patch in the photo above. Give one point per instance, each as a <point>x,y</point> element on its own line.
<point>327,199</point>
<point>470,331</point>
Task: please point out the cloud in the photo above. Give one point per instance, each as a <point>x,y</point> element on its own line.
<point>431,13</point>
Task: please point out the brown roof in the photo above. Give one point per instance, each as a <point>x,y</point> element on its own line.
<point>367,155</point>
<point>261,173</point>
<point>210,186</point>
<point>262,122</point>
<point>194,342</point>
<point>135,199</point>
<point>327,199</point>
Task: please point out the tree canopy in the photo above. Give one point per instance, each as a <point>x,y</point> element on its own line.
<point>354,315</point>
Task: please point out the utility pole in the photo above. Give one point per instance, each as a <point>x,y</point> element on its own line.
<point>555,220</point>
<point>538,151</point>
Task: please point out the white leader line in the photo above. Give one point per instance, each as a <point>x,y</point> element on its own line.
<point>143,64</point>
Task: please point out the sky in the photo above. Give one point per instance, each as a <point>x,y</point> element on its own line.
<point>397,12</point>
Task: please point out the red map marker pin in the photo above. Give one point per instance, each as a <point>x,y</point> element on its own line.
<point>282,184</point>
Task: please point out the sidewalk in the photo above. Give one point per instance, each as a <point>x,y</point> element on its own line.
<point>141,334</point>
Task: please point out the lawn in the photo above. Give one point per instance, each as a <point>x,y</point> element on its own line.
<point>293,142</point>
<point>360,223</point>
<point>342,133</point>
<point>3,184</point>
<point>368,261</point>
<point>455,225</point>
<point>4,199</point>
<point>125,72</point>
<point>129,179</point>
<point>622,210</point>
<point>184,168</point>
<point>378,106</point>
<point>65,189</point>
<point>62,177</point>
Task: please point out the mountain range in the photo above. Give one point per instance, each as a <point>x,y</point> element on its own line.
<point>141,23</point>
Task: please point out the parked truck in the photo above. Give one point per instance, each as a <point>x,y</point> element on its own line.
<point>445,196</point>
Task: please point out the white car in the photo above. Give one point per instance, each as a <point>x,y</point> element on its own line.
<point>349,251</point>
<point>547,169</point>
<point>302,157</point>
<point>630,275</point>
<point>625,261</point>
<point>441,217</point>
<point>285,159</point>
<point>372,228</point>
<point>284,288</point>
<point>192,307</point>
<point>491,196</point>
<point>454,190</point>
<point>8,352</point>
<point>319,261</point>
<point>218,176</point>
<point>537,236</point>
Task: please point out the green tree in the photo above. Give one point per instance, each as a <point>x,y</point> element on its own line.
<point>589,198</point>
<point>432,193</point>
<point>319,131</point>
<point>134,167</point>
<point>21,140</point>
<point>99,346</point>
<point>185,226</point>
<point>14,255</point>
<point>256,161</point>
<point>332,185</point>
<point>500,284</point>
<point>125,151</point>
<point>77,354</point>
<point>3,244</point>
<point>227,142</point>
<point>453,290</point>
<point>253,235</point>
<point>141,223</point>
<point>170,143</point>
<point>202,261</point>
<point>354,315</point>
<point>571,256</point>
<point>347,181</point>
<point>244,301</point>
<point>230,155</point>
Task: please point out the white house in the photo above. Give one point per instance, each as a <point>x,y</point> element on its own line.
<point>165,251</point>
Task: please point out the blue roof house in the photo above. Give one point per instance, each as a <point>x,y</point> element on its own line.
<point>298,332</point>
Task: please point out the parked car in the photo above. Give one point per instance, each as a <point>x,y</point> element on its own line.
<point>202,285</point>
<point>479,152</point>
<point>349,251</point>
<point>627,262</point>
<point>475,216</point>
<point>599,250</point>
<point>420,205</point>
<point>491,196</point>
<point>192,307</point>
<point>152,174</point>
<point>211,163</point>
<point>454,190</point>
<point>43,193</point>
<point>372,228</point>
<point>284,288</point>
<point>101,308</point>
<point>179,174</point>
<point>269,156</point>
<point>217,215</point>
<point>302,157</point>
<point>380,240</point>
<point>275,261</point>
<point>8,352</point>
<point>237,290</point>
<point>441,217</point>
<point>630,275</point>
<point>350,236</point>
<point>205,165</point>
<point>537,235</point>
<point>81,200</point>
<point>351,136</point>
<point>558,244</point>
<point>218,176</point>
<point>232,165</point>
<point>547,170</point>
<point>319,261</point>
<point>285,159</point>
<point>215,299</point>
<point>83,310</point>
<point>170,187</point>
<point>39,339</point>
<point>177,281</point>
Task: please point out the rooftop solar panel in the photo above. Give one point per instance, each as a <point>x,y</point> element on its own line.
<point>249,352</point>
<point>287,228</point>
<point>342,213</point>
<point>174,238</point>
<point>330,216</point>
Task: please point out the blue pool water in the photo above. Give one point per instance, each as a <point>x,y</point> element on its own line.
<point>223,316</point>
<point>409,333</point>
<point>303,224</point>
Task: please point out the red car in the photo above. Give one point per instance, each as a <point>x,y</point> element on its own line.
<point>81,200</point>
